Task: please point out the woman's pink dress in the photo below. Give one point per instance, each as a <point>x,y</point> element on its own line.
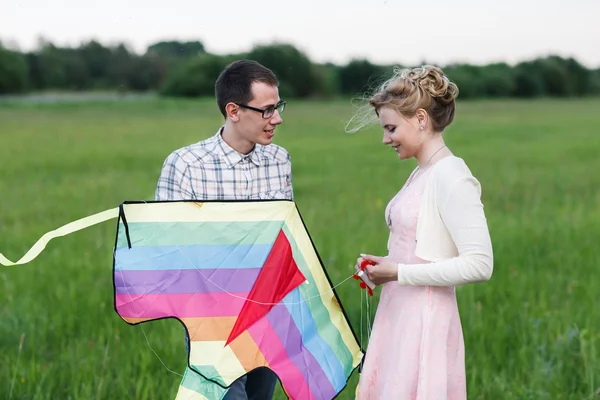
<point>416,349</point>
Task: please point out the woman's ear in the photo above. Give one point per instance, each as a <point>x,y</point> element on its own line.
<point>422,118</point>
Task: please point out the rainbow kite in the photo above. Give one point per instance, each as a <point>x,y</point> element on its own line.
<point>245,280</point>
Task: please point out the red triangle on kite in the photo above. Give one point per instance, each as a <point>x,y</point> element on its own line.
<point>278,277</point>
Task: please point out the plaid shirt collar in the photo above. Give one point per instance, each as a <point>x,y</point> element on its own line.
<point>231,156</point>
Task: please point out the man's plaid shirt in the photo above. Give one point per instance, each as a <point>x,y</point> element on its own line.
<point>212,170</point>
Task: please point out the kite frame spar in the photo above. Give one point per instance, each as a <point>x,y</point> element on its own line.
<point>122,219</point>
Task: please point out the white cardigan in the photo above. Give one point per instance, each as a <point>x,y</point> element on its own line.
<point>452,231</point>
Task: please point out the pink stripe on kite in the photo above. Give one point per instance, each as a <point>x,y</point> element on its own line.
<point>269,344</point>
<point>179,305</point>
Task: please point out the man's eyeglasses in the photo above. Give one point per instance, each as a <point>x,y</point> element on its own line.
<point>267,112</point>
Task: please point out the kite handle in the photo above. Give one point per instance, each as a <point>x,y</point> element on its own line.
<point>361,275</point>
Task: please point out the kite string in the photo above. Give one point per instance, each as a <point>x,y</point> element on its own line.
<point>156,354</point>
<point>259,302</point>
<point>225,291</point>
<point>361,322</point>
<point>365,306</point>
<point>369,316</point>
<point>142,327</point>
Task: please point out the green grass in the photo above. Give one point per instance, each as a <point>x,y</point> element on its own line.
<point>530,333</point>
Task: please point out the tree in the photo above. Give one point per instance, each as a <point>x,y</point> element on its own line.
<point>498,80</point>
<point>176,49</point>
<point>53,73</point>
<point>196,77</point>
<point>528,82</point>
<point>327,82</point>
<point>293,68</point>
<point>595,82</point>
<point>555,76</point>
<point>359,75</point>
<point>98,61</point>
<point>13,72</point>
<point>469,79</point>
<point>581,77</point>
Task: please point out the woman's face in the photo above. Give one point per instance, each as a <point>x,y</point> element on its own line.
<point>403,134</point>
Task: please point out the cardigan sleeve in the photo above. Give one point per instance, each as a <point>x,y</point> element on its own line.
<point>462,213</point>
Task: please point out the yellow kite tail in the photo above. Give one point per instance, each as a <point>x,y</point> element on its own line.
<point>62,231</point>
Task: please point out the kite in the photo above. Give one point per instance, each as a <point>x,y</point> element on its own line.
<point>246,282</point>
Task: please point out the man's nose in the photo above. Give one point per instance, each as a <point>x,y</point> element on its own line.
<point>276,118</point>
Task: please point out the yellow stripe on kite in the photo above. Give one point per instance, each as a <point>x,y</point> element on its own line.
<point>222,358</point>
<point>207,212</point>
<point>186,394</point>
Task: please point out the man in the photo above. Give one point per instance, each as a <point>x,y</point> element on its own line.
<point>238,163</point>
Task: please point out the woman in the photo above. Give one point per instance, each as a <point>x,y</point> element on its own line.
<point>439,239</point>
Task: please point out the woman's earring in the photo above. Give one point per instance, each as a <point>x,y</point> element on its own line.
<point>422,127</point>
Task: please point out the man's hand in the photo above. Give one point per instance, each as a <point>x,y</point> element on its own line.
<point>382,272</point>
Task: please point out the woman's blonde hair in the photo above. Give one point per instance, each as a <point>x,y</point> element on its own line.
<point>408,90</point>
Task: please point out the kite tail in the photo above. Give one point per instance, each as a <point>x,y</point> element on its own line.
<point>64,230</point>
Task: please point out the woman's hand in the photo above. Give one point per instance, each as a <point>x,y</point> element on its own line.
<point>382,272</point>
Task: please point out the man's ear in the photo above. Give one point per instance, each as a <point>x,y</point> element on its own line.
<point>232,111</point>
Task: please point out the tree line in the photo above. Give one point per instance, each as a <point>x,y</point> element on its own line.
<point>186,69</point>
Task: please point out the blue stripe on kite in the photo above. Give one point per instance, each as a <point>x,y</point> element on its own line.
<point>192,257</point>
<point>311,339</point>
<point>290,336</point>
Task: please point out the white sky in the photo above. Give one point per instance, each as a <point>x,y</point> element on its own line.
<point>384,31</point>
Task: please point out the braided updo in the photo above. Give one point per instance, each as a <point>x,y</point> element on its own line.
<point>408,90</point>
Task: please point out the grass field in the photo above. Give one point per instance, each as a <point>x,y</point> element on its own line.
<point>531,332</point>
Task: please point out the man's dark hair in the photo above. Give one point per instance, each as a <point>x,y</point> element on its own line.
<point>234,84</point>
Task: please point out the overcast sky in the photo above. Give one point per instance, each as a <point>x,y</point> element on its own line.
<point>386,31</point>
